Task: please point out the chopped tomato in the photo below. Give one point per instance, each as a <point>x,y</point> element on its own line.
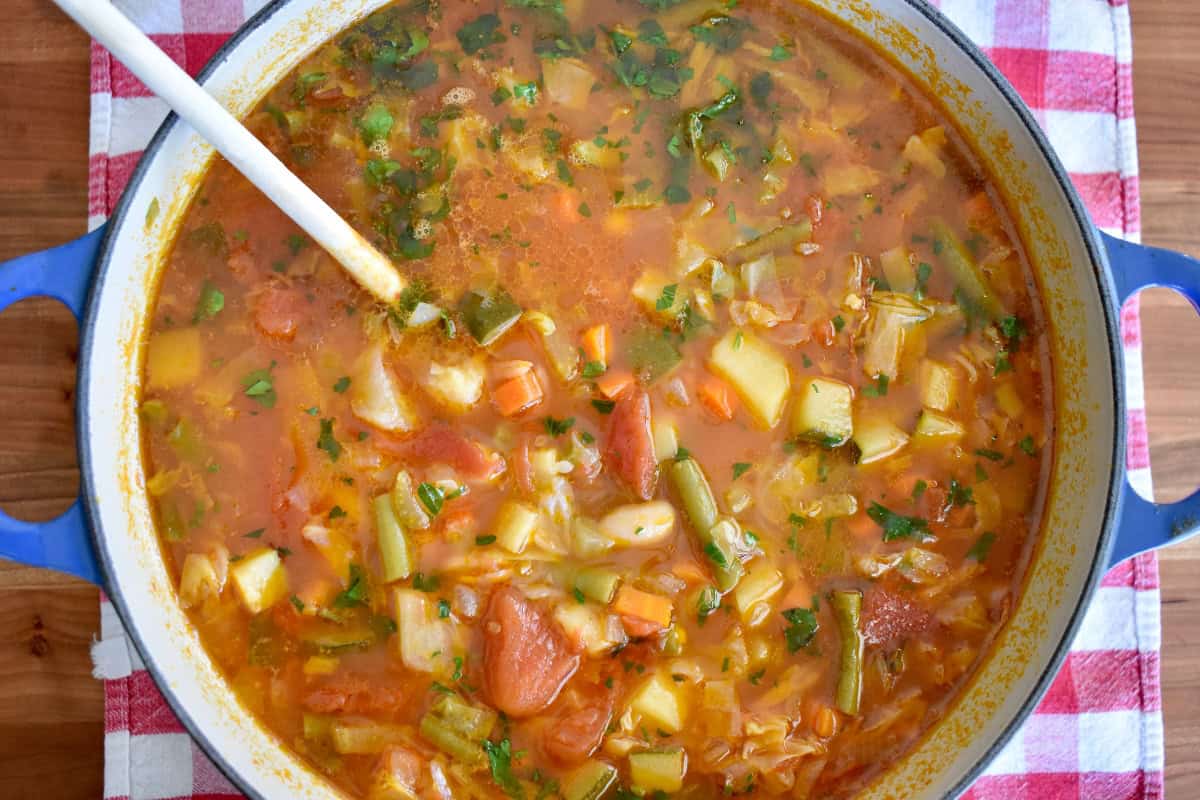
<point>526,658</point>
<point>887,616</point>
<point>354,694</point>
<point>279,312</point>
<point>576,734</point>
<point>629,451</point>
<point>441,444</point>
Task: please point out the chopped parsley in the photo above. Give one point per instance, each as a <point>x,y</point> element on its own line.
<point>432,497</point>
<point>259,385</point>
<point>983,545</point>
<point>990,455</point>
<point>425,583</point>
<point>481,32</point>
<point>880,389</point>
<point>898,526</point>
<point>343,383</point>
<point>593,369</point>
<point>499,755</point>
<point>739,469</point>
<point>327,442</point>
<point>801,627</point>
<point>356,593</point>
<point>666,298</point>
<point>211,302</point>
<point>1027,446</point>
<point>557,427</point>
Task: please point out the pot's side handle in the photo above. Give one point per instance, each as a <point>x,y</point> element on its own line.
<point>1141,524</point>
<point>63,273</point>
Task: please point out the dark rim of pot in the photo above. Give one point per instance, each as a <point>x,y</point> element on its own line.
<point>1088,233</point>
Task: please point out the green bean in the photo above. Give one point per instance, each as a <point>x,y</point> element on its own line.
<point>712,533</point>
<point>847,608</point>
<point>437,732</point>
<point>968,276</point>
<point>781,238</point>
<point>463,718</point>
<point>393,543</point>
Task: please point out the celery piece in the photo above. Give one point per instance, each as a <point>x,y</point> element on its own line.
<point>317,726</point>
<point>597,583</point>
<point>589,782</point>
<point>657,770</point>
<point>785,237</point>
<point>184,439</point>
<point>409,511</point>
<point>393,543</point>
<point>969,278</point>
<point>847,608</point>
<point>489,314</point>
<point>674,641</point>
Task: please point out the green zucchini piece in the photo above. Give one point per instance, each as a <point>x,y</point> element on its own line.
<point>489,314</point>
<point>589,782</point>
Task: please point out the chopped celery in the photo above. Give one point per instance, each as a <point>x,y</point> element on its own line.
<point>260,579</point>
<point>597,583</point>
<point>847,607</point>
<point>184,439</point>
<point>761,583</point>
<point>591,781</point>
<point>785,237</point>
<point>489,314</point>
<point>470,721</point>
<point>365,738</point>
<point>877,438</point>
<point>968,276</point>
<point>935,427</point>
<point>660,702</point>
<point>822,411</point>
<point>657,770</point>
<point>674,641</point>
<point>938,386</point>
<point>409,511</point>
<point>393,543</point>
<point>514,526</point>
<point>756,371</point>
<point>317,726</point>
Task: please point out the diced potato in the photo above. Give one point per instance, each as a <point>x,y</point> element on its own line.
<point>364,738</point>
<point>198,580</point>
<point>376,398</point>
<point>850,179</point>
<point>174,358</point>
<point>822,411</point>
<point>923,151</point>
<point>757,373</point>
<point>423,638</point>
<point>659,702</point>
<point>1008,401</point>
<point>899,269</point>
<point>760,583</point>
<point>461,135</point>
<point>321,665</point>
<point>568,82</point>
<point>457,386</point>
<point>260,579</point>
<point>938,386</point>
<point>657,770</point>
<point>935,427</point>
<point>877,438</point>
<point>514,526</point>
<point>587,152</point>
<point>589,627</point>
<point>333,546</point>
<point>586,539</point>
<point>639,524</point>
<point>666,438</point>
<point>648,290</point>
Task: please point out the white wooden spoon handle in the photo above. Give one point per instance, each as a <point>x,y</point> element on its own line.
<point>373,271</point>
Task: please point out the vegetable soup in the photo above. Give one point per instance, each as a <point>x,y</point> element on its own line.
<point>702,455</point>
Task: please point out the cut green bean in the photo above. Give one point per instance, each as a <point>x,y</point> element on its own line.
<point>782,238</point>
<point>847,608</point>
<point>392,541</point>
<point>713,534</point>
<point>439,734</point>
<point>968,276</point>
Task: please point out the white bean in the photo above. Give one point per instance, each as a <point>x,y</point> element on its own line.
<point>639,524</point>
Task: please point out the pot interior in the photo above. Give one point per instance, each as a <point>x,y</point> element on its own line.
<point>1062,248</point>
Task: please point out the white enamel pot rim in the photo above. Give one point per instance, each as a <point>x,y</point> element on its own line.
<point>1080,513</point>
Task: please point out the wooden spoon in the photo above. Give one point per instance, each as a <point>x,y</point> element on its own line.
<point>370,268</point>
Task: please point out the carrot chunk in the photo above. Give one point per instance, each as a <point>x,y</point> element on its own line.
<point>597,343</point>
<point>613,384</point>
<point>652,608</point>
<point>718,397</point>
<point>517,394</point>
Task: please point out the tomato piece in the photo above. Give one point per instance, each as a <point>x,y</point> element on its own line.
<point>576,734</point>
<point>441,444</point>
<point>888,616</point>
<point>279,312</point>
<point>640,628</point>
<point>629,451</point>
<point>353,694</point>
<point>526,659</point>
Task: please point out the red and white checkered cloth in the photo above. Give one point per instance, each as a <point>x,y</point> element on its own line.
<point>1098,733</point>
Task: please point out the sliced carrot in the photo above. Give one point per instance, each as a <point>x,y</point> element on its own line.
<point>654,608</point>
<point>825,722</point>
<point>517,394</point>
<point>597,343</point>
<point>614,383</point>
<point>689,572</point>
<point>718,397</point>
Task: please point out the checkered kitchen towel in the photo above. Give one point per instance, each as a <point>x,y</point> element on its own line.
<point>1098,733</point>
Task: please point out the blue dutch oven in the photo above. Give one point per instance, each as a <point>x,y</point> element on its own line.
<point>1092,518</point>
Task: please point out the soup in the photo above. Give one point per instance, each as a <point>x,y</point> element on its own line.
<point>702,455</point>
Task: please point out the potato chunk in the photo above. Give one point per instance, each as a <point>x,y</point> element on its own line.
<point>758,374</point>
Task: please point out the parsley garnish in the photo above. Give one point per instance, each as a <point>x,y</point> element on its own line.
<point>326,441</point>
<point>258,384</point>
<point>499,756</point>
<point>593,369</point>
<point>801,628</point>
<point>604,406</point>
<point>740,469</point>
<point>557,427</point>
<point>667,298</point>
<point>211,301</point>
<point>432,497</point>
<point>880,389</point>
<point>990,455</point>
<point>1027,446</point>
<point>426,583</point>
<point>480,33</point>
<point>356,593</point>
<point>983,545</point>
<point>897,526</point>
<point>343,383</point>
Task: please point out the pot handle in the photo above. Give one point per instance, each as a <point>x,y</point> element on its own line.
<point>63,273</point>
<point>1143,525</point>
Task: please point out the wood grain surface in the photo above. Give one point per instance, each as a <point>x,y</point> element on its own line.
<point>51,710</point>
